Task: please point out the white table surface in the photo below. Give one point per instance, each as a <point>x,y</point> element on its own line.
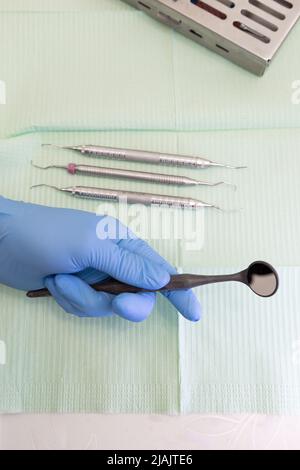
<point>117,432</point>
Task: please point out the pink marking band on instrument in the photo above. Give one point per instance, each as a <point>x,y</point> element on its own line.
<point>72,167</point>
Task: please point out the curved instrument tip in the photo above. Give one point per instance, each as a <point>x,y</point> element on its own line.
<point>45,186</point>
<point>38,166</point>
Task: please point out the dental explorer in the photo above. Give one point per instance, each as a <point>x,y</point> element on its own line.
<point>131,197</point>
<point>144,156</point>
<point>90,170</point>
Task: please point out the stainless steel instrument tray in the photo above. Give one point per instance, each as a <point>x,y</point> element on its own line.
<point>247,32</point>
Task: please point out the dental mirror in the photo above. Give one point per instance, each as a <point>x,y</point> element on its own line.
<point>260,277</point>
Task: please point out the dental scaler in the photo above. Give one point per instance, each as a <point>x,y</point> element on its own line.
<point>144,156</point>
<point>131,197</point>
<point>144,176</point>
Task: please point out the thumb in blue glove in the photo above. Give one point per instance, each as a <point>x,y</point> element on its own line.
<point>59,248</point>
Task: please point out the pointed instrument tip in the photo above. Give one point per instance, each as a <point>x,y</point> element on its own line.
<point>64,147</point>
<point>228,211</point>
<point>231,167</point>
<point>52,145</point>
<point>233,186</point>
<point>236,167</point>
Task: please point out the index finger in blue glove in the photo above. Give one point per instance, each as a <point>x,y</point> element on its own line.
<point>185,300</point>
<point>126,266</point>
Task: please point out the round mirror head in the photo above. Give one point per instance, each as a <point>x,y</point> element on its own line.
<point>262,279</point>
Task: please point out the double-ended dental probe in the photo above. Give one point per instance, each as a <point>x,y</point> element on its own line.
<point>132,197</point>
<point>144,156</point>
<point>144,176</point>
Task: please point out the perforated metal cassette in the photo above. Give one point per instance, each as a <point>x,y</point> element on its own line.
<point>247,32</point>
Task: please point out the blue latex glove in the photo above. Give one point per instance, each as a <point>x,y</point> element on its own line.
<point>44,246</point>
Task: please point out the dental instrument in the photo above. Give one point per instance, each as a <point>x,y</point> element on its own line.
<point>144,156</point>
<point>89,170</point>
<point>132,197</point>
<point>260,277</point>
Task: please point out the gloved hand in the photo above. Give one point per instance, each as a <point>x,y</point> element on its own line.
<point>44,247</point>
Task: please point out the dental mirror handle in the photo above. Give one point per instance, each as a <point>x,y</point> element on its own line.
<point>177,282</point>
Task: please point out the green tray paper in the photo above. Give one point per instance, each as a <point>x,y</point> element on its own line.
<point>109,75</point>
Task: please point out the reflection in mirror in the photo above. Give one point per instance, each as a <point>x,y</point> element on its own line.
<point>262,279</point>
